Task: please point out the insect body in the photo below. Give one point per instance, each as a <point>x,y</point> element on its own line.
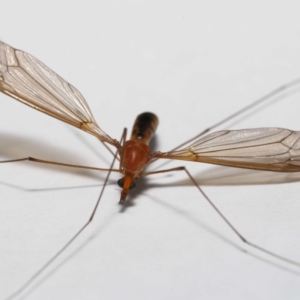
<point>28,80</point>
<point>136,153</point>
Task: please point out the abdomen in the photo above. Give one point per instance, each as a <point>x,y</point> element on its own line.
<point>144,128</point>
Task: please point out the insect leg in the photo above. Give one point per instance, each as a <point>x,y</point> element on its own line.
<point>281,89</point>
<point>241,237</point>
<point>37,160</point>
<point>107,147</point>
<point>23,287</point>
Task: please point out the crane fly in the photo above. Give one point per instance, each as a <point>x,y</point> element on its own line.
<point>25,78</point>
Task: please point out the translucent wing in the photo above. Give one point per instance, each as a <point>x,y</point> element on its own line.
<point>272,149</point>
<point>28,80</point>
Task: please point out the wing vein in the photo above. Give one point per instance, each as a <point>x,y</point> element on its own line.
<point>25,78</point>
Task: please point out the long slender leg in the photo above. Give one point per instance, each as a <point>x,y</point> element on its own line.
<point>53,258</point>
<point>107,147</point>
<point>122,141</point>
<point>37,160</point>
<point>259,101</point>
<point>241,237</point>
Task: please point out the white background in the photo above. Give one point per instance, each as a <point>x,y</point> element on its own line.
<point>192,63</point>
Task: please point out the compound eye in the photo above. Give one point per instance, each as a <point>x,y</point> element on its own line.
<point>132,186</point>
<point>121,182</point>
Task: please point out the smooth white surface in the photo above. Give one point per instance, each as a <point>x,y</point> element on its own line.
<point>192,64</point>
